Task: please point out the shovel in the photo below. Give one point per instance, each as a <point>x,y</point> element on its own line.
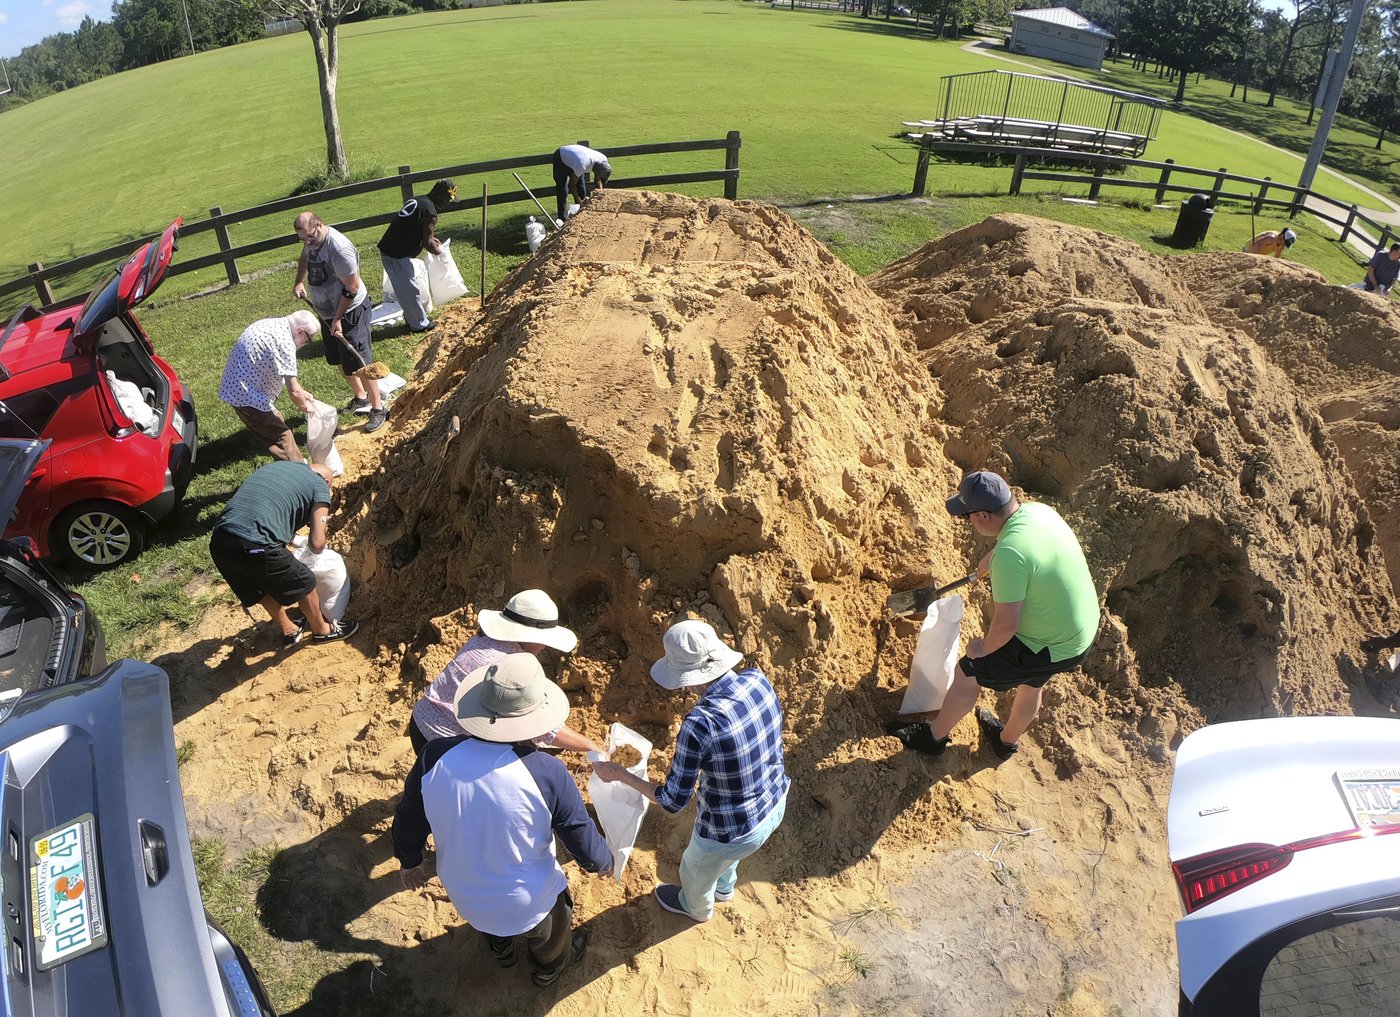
<point>365,372</point>
<point>909,602</point>
<point>405,549</point>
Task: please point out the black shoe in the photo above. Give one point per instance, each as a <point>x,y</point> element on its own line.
<point>290,639</point>
<point>339,630</point>
<point>507,957</point>
<point>991,730</point>
<point>578,946</point>
<point>358,406</point>
<point>376,420</point>
<point>918,736</point>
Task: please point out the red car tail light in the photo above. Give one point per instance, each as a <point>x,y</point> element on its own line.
<point>1206,878</point>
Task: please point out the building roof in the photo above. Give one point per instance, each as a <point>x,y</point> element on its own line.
<point>1064,17</point>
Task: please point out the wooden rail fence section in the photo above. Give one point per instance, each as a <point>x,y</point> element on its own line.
<point>219,221</point>
<point>1348,217</point>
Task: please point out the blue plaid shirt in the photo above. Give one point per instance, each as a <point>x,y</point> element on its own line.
<point>731,744</point>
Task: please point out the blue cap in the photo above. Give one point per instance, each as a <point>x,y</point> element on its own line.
<point>980,492</point>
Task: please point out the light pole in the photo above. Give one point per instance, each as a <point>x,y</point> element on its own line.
<point>185,8</point>
<point>1333,97</point>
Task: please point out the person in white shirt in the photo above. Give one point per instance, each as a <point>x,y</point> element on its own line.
<point>262,362</point>
<point>572,164</point>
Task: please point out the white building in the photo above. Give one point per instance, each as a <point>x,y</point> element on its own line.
<point>1057,33</point>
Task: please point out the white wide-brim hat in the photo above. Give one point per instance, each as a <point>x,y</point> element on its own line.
<point>695,655</point>
<point>529,617</point>
<point>510,700</point>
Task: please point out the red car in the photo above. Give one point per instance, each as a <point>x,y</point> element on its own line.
<point>120,422</point>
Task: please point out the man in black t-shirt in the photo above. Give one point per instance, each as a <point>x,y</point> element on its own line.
<point>409,232</point>
<point>1383,270</point>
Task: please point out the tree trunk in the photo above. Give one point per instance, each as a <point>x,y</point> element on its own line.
<point>1283,63</point>
<point>1181,86</point>
<point>325,42</point>
<point>1380,137</point>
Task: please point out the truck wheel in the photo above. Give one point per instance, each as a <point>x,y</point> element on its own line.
<point>98,534</point>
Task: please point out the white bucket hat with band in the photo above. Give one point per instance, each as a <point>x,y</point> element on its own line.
<point>695,655</point>
<point>510,701</point>
<point>529,617</point>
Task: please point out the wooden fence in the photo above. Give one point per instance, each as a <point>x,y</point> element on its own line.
<point>1213,183</point>
<point>40,276</point>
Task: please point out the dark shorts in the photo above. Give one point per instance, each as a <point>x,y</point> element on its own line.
<point>1016,664</point>
<point>254,572</point>
<point>355,324</point>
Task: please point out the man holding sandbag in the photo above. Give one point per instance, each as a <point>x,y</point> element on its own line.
<point>1045,614</point>
<point>731,745</point>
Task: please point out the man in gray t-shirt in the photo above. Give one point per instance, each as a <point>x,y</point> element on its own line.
<point>329,271</point>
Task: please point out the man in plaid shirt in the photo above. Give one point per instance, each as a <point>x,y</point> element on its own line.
<point>731,746</point>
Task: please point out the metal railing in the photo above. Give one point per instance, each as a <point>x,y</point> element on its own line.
<point>1295,199</point>
<point>40,276</point>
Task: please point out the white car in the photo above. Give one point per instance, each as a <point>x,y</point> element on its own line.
<point>1279,833</point>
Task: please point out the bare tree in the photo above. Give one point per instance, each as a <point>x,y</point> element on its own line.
<point>322,19</point>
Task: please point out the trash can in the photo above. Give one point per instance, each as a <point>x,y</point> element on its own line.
<point>1193,221</point>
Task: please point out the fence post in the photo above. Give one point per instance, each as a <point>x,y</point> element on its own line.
<point>731,165</point>
<point>1162,183</point>
<point>1016,172</point>
<point>1097,182</point>
<point>921,167</point>
<point>1383,245</point>
<point>1259,198</point>
<point>42,285</point>
<point>405,188</point>
<point>1215,188</point>
<point>221,232</point>
<point>1351,218</point>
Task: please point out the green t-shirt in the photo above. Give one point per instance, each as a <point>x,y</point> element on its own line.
<point>273,503</point>
<point>1038,562</point>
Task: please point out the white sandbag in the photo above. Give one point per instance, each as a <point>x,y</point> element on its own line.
<point>534,234</point>
<point>390,384</point>
<point>320,436</point>
<point>935,657</point>
<point>620,809</point>
<point>388,313</point>
<point>444,280</point>
<point>425,290</point>
<point>134,404</point>
<point>332,582</point>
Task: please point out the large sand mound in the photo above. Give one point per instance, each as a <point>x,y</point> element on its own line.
<point>685,407</point>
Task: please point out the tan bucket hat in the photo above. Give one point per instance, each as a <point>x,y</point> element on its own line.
<point>510,701</point>
<point>695,655</point>
<point>529,617</point>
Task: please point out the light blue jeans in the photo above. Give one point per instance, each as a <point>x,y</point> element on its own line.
<point>400,272</point>
<point>708,865</point>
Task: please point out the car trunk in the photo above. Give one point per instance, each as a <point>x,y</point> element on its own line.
<point>39,644</point>
<point>138,389</point>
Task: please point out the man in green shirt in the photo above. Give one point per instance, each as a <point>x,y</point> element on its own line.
<point>249,547</point>
<point>1044,618</point>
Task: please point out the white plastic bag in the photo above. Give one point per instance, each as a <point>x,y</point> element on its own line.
<point>332,582</point>
<point>534,234</point>
<point>935,657</point>
<point>620,809</point>
<point>444,280</point>
<point>133,403</point>
<point>320,437</point>
<point>425,290</point>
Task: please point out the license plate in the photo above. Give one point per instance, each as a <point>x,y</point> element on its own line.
<point>1372,795</point>
<point>64,895</point>
<point>178,420</point>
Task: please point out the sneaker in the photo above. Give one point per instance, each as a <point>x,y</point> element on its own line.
<point>426,328</point>
<point>668,895</point>
<point>376,420</point>
<point>991,730</point>
<point>918,736</point>
<point>578,946</point>
<point>723,898</point>
<point>339,630</point>
<point>357,406</point>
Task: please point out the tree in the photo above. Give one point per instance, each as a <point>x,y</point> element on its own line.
<point>322,19</point>
<point>1188,35</point>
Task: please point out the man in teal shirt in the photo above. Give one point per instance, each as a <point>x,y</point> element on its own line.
<point>1044,619</point>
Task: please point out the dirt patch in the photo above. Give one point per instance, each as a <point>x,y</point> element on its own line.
<point>625,755</point>
<point>686,408</point>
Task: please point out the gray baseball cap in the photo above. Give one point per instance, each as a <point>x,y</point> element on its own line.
<point>982,491</point>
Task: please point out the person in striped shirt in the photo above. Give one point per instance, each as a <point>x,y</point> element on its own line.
<point>730,745</point>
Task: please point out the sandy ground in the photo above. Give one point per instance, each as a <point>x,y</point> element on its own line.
<point>685,408</point>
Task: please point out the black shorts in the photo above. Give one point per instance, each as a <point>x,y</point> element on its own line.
<point>253,571</point>
<point>1016,664</point>
<point>354,323</point>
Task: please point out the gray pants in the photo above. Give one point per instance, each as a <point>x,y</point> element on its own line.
<point>400,272</point>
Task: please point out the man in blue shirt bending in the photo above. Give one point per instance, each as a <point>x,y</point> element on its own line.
<point>731,744</point>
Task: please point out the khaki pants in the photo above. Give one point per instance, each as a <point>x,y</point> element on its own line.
<point>271,431</point>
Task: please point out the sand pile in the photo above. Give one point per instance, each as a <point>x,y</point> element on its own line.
<point>690,408</point>
<point>1340,347</point>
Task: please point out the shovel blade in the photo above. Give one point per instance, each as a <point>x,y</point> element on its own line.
<point>909,602</point>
